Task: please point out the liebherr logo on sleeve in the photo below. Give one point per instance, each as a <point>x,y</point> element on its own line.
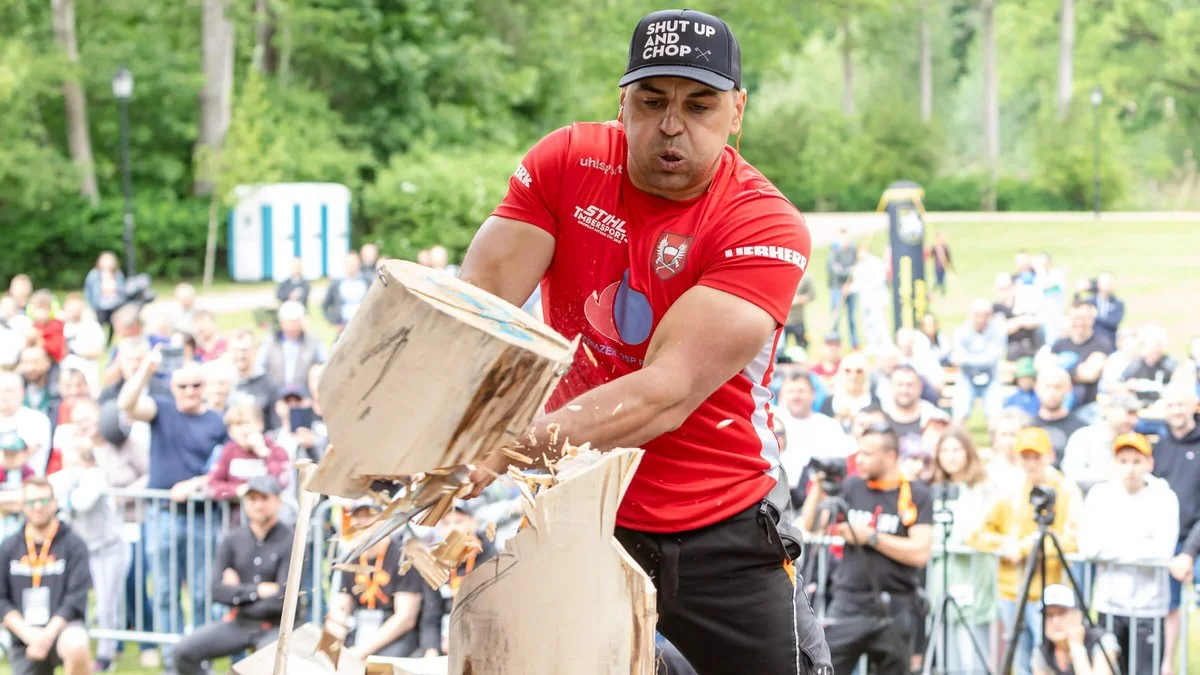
<point>787,255</point>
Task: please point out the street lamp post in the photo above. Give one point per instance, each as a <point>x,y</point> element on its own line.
<point>1097,98</point>
<point>122,86</point>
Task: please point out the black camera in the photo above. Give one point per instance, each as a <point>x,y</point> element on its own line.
<point>1043,499</point>
<point>834,469</point>
<point>137,291</point>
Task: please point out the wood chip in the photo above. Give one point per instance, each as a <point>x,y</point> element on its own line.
<point>513,454</point>
<point>617,408</point>
<point>552,429</point>
<point>405,565</point>
<point>354,568</point>
<point>574,408</point>
<point>439,510</point>
<point>531,435</point>
<point>588,352</point>
<point>490,532</point>
<point>549,464</point>
<point>724,423</point>
<point>426,565</point>
<point>443,471</point>
<point>331,646</point>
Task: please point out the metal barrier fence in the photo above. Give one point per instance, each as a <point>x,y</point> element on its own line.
<point>983,573</point>
<point>178,542</point>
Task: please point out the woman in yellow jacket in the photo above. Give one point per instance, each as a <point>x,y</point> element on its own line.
<point>1011,531</point>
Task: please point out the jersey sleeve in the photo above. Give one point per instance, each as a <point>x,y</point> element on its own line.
<point>760,256</point>
<point>533,188</point>
<point>923,500</point>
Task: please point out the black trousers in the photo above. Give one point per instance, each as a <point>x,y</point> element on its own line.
<point>1144,631</point>
<point>728,599</point>
<point>856,625</point>
<point>215,640</point>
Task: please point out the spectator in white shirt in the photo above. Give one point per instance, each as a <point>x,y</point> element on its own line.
<point>32,426</point>
<point>868,282</point>
<point>811,433</point>
<point>1132,516</point>
<point>1088,458</point>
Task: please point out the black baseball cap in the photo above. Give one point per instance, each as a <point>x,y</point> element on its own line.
<point>263,485</point>
<point>685,43</point>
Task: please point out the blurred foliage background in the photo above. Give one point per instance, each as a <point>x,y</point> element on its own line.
<point>423,107</point>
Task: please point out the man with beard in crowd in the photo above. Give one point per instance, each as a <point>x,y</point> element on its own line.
<point>1059,421</point>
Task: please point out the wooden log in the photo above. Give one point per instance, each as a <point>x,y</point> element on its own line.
<point>431,372</point>
<point>302,657</point>
<point>291,591</point>
<point>529,609</point>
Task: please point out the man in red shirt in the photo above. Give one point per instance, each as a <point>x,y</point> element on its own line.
<point>676,262</point>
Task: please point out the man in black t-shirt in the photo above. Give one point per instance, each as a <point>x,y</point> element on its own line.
<point>1081,353</point>
<point>376,603</point>
<point>1021,322</point>
<point>888,533</point>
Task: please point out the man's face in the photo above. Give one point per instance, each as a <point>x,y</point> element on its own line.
<point>86,419</point>
<point>677,130</point>
<point>1034,465</point>
<point>353,265</point>
<point>1131,469</point>
<point>72,310</point>
<point>1104,283</point>
<point>457,521</point>
<point>34,364</point>
<point>242,432</point>
<point>1005,437</point>
<point>1119,419</point>
<point>204,328</point>
<point>833,351</point>
<point>185,296</point>
<point>1051,389</point>
<point>370,253</point>
<point>260,508</point>
<point>1179,409</point>
<point>187,385</point>
<point>216,392</point>
<point>1004,290</point>
<point>797,396</point>
<point>12,395</point>
<point>242,352</point>
<point>906,388</point>
<point>874,457</point>
<point>20,288</point>
<point>980,317</point>
<point>1082,320</point>
<point>292,329</point>
<point>1153,352</point>
<point>40,506</point>
<point>73,385</point>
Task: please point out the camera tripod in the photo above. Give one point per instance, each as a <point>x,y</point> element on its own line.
<point>939,635</point>
<point>1037,562</point>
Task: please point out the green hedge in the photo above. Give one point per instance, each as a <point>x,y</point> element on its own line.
<point>58,243</point>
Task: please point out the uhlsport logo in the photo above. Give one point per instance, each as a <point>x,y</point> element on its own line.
<point>603,167</point>
<point>670,254</point>
<point>602,222</point>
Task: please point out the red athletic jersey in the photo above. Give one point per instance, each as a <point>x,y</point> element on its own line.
<point>622,257</point>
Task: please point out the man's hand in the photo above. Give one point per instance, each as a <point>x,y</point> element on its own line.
<point>305,438</point>
<point>1075,630</point>
<point>38,648</point>
<point>154,358</point>
<point>856,534</point>
<point>358,651</point>
<point>1011,552</point>
<point>182,490</point>
<point>258,445</point>
<point>496,463</point>
<point>1181,567</point>
<point>268,589</point>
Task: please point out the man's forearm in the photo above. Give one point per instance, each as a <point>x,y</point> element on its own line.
<point>626,412</point>
<point>132,390</point>
<point>903,550</point>
<point>395,626</point>
<point>56,625</point>
<point>15,623</point>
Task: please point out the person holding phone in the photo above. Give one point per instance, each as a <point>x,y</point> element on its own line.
<point>247,455</point>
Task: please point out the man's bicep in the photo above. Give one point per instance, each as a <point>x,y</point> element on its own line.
<point>508,258</point>
<point>707,337</point>
<point>921,535</point>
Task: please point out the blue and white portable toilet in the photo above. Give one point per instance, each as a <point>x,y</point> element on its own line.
<point>275,224</point>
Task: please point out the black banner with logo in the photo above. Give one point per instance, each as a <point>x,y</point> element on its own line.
<point>906,235</point>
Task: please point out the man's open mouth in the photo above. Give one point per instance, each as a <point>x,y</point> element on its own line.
<point>670,160</point>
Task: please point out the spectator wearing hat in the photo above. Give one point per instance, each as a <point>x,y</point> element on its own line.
<point>32,426</point>
<point>978,348</point>
<point>1070,646</point>
<point>15,456</point>
<point>247,454</point>
<point>286,356</point>
<point>1175,460</point>
<point>250,572</point>
<point>1088,457</point>
<point>1054,415</point>
<point>1025,397</point>
<point>1010,530</point>
<point>377,607</point>
<point>1131,516</point>
<point>44,584</point>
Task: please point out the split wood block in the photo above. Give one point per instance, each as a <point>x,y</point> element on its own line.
<point>530,609</point>
<point>302,657</point>
<point>386,665</point>
<point>431,372</point>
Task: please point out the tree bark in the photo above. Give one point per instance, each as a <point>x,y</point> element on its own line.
<point>1066,56</point>
<point>78,139</point>
<point>847,65</point>
<point>991,95</point>
<point>926,58</point>
<point>216,96</point>
<point>210,245</point>
<point>266,59</point>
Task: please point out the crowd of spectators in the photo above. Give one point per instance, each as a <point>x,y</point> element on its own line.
<point>1073,399</point>
<point>169,440</point>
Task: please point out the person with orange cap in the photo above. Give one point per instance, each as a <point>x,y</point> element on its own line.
<point>1011,529</point>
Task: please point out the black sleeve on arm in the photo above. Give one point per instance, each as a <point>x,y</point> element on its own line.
<point>228,594</point>
<point>923,500</point>
<point>1191,545</point>
<point>8,602</point>
<point>79,582</point>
